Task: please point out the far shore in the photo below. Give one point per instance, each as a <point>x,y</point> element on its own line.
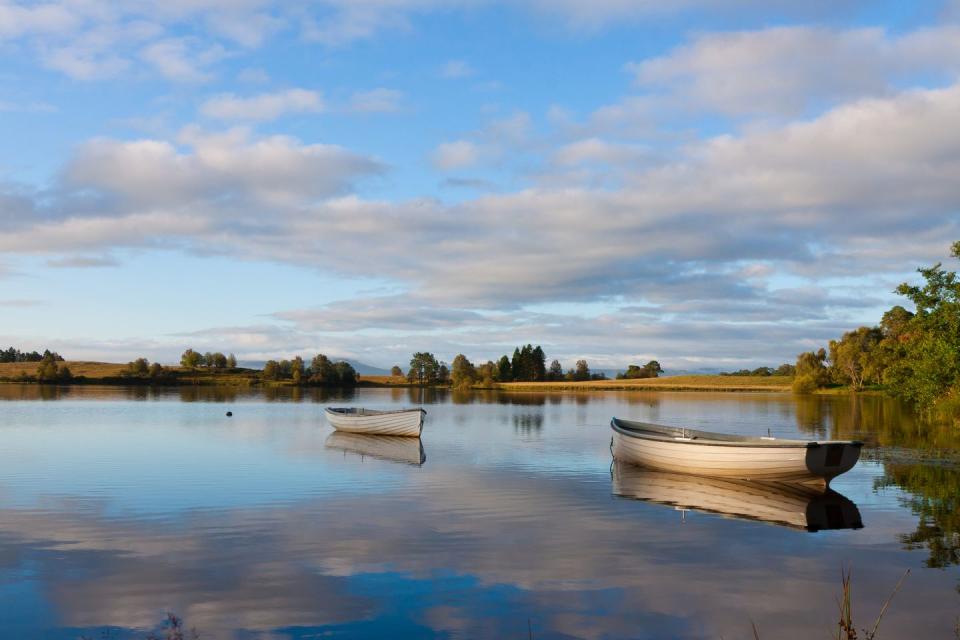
<point>107,373</point>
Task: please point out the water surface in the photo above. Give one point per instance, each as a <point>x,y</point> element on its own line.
<point>117,505</point>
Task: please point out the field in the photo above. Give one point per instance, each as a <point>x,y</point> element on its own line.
<point>673,383</point>
<point>110,373</point>
<point>77,368</point>
<point>384,381</point>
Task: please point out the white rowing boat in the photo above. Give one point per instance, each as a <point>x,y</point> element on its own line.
<point>798,506</point>
<point>392,448</point>
<point>399,422</point>
<point>729,456</point>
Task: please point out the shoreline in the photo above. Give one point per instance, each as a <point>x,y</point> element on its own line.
<point>111,374</point>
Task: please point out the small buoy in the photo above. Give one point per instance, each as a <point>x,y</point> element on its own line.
<point>229,413</point>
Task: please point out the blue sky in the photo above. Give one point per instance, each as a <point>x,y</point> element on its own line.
<point>712,184</point>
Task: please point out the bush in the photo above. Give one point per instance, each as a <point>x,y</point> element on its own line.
<point>806,383</point>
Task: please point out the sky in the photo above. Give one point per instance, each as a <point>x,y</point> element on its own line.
<point>712,184</point>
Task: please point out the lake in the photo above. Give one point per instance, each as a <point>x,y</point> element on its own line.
<point>118,505</point>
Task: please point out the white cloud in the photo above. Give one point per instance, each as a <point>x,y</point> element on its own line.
<point>216,168</point>
<point>458,154</point>
<point>457,69</point>
<point>182,60</point>
<point>378,100</point>
<point>595,150</point>
<point>867,189</point>
<point>265,106</point>
<point>28,19</point>
<point>788,70</point>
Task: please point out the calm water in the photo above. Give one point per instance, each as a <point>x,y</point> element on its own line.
<point>119,505</point>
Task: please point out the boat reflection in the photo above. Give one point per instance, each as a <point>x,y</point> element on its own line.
<point>392,448</point>
<point>790,505</point>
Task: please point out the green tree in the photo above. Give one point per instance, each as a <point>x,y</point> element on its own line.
<point>812,372</point>
<point>582,371</point>
<point>323,372</point>
<point>50,371</point>
<point>271,370</point>
<point>486,373</point>
<point>424,368</point>
<point>556,371</point>
<point>231,362</point>
<point>517,369</point>
<point>190,359</point>
<point>538,364</point>
<point>156,370</point>
<point>463,374</point>
<point>139,367</point>
<point>929,368</point>
<point>396,371</point>
<point>296,370</point>
<point>853,358</point>
<point>504,370</point>
<point>785,369</point>
<point>650,370</point>
<point>346,374</point>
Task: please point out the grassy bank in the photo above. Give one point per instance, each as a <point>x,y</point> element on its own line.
<point>85,372</point>
<point>672,383</point>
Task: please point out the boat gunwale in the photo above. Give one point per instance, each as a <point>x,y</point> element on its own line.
<point>360,412</point>
<point>649,431</point>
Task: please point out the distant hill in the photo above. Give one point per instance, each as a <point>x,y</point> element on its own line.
<point>367,369</point>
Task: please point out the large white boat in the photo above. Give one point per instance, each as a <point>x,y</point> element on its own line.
<point>398,422</point>
<point>731,456</point>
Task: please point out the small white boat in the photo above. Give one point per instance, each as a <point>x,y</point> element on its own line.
<point>798,506</point>
<point>399,422</point>
<point>730,456</point>
<point>392,448</point>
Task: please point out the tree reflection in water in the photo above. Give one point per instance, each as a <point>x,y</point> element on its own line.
<point>933,494</point>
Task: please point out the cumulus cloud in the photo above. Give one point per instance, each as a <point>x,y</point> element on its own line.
<point>181,60</point>
<point>864,189</point>
<point>215,167</point>
<point>788,70</point>
<point>457,154</point>
<point>265,106</point>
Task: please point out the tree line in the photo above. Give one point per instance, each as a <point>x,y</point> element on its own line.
<point>322,372</point>
<point>650,370</point>
<point>527,364</point>
<point>783,370</point>
<point>15,355</point>
<point>913,355</point>
<point>192,359</point>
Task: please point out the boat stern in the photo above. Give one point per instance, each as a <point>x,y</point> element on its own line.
<point>828,460</point>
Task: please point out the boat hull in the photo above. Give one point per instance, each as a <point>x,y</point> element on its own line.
<point>743,458</point>
<point>405,423</point>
